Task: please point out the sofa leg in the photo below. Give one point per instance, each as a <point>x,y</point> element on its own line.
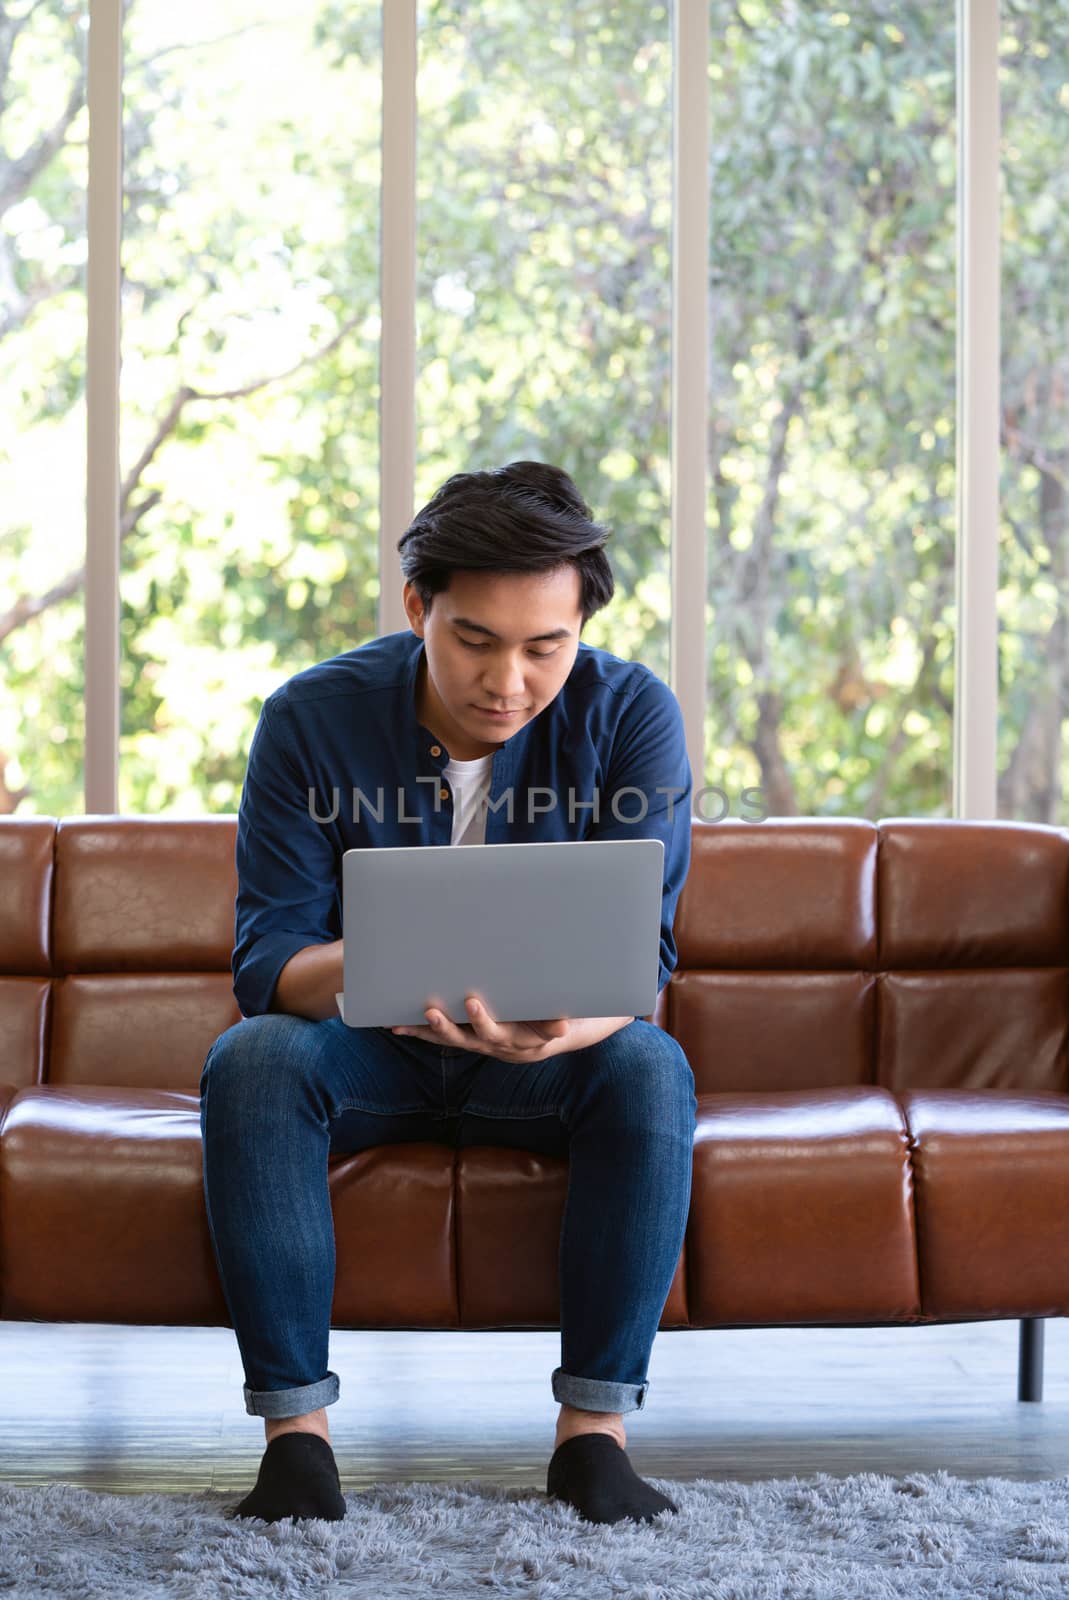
<point>1030,1359</point>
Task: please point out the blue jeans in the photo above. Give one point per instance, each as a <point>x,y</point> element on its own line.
<point>278,1093</point>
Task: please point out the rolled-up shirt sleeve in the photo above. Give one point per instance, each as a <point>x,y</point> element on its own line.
<point>286,866</point>
<point>649,755</point>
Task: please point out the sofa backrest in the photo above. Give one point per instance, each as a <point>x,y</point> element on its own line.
<point>115,941</point>
<point>912,953</point>
<point>813,952</point>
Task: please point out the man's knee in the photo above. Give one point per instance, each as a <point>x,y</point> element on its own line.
<point>251,1046</point>
<point>650,1064</point>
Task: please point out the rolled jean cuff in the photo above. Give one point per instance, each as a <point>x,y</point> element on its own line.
<point>292,1402</point>
<point>594,1394</point>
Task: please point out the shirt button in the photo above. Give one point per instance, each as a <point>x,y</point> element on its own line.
<point>443,794</point>
<point>436,749</point>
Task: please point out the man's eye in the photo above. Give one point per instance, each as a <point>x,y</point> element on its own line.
<point>539,655</point>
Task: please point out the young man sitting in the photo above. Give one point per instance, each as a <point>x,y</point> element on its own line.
<point>487,698</point>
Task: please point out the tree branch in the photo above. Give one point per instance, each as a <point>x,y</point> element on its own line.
<point>195,44</point>
<point>10,28</point>
<point>1022,539</point>
<point>897,741</point>
<point>20,305</point>
<point>21,173</point>
<point>24,610</point>
<point>1027,450</point>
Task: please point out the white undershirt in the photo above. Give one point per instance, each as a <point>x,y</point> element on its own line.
<point>470,783</point>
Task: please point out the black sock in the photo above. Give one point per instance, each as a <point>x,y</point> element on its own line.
<point>298,1478</point>
<point>593,1474</point>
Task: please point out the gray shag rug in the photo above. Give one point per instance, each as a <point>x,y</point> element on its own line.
<point>818,1538</point>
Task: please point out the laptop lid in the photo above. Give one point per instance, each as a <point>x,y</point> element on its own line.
<point>542,930</point>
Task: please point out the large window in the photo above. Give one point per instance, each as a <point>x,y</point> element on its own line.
<point>1033,748</point>
<point>43,165</point>
<point>544,268</point>
<point>250,368</point>
<point>844,515</point>
<point>830,619</point>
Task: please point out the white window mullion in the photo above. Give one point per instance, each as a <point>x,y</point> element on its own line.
<point>104,93</point>
<point>397,347</point>
<point>690,367</point>
<point>976,646</point>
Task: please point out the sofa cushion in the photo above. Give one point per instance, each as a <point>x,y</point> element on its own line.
<point>763,1031</point>
<point>102,1217</point>
<point>974,942</point>
<point>148,1030</point>
<point>991,1174</point>
<point>24,1018</point>
<point>26,886</point>
<point>144,894</point>
<point>102,1208</point>
<point>971,893</point>
<point>1003,1028</point>
<point>833,1207</point>
<point>26,875</point>
<point>801,1210</point>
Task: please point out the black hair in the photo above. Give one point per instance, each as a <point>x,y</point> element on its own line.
<point>524,517</point>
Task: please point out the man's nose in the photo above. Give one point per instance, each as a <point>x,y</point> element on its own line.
<point>505,682</point>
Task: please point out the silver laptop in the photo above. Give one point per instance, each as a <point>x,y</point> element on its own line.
<point>539,931</point>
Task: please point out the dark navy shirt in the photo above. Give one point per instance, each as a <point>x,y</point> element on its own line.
<point>340,761</point>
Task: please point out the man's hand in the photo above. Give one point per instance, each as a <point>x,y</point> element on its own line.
<point>513,1041</point>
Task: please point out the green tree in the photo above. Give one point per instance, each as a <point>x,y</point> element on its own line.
<point>250,295</point>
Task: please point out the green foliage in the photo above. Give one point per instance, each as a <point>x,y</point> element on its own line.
<point>251,261</point>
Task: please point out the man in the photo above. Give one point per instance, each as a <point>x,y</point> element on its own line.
<point>486,710</point>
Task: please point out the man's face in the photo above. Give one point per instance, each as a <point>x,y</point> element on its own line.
<point>494,641</point>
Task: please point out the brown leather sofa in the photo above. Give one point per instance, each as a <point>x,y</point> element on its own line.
<point>877,1016</point>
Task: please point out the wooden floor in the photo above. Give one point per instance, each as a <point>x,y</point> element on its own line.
<point>133,1410</point>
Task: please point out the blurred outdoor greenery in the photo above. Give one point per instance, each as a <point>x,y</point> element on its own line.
<point>250,387</point>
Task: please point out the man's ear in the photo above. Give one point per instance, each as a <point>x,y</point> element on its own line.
<point>413,609</point>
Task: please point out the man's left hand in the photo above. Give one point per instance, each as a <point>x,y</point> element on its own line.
<point>512,1041</point>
